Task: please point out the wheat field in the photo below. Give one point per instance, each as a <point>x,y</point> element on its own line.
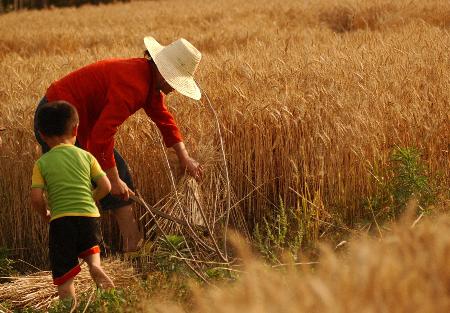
<point>407,271</point>
<point>311,97</point>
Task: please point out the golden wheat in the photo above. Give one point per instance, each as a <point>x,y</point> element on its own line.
<point>311,97</point>
<point>405,272</point>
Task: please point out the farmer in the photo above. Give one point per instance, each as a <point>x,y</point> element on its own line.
<point>66,172</point>
<point>107,92</point>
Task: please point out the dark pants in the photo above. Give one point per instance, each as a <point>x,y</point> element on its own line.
<point>70,238</point>
<point>109,202</point>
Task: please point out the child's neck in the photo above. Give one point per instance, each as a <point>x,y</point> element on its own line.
<point>56,141</point>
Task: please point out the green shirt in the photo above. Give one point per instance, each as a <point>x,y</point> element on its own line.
<point>66,173</point>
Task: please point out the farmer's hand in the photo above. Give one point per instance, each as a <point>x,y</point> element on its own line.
<point>120,189</point>
<point>192,167</point>
<point>187,163</point>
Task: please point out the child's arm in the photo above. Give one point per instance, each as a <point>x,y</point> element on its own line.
<point>103,188</point>
<point>37,194</point>
<point>39,204</point>
<point>101,180</point>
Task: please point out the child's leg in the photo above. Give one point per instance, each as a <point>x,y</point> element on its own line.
<point>67,290</point>
<point>97,273</point>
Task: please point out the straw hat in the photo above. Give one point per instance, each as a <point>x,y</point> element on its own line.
<point>177,63</point>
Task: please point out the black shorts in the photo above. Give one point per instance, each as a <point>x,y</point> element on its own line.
<point>70,238</point>
<point>109,202</point>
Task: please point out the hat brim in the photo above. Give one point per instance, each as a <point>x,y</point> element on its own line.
<point>184,83</point>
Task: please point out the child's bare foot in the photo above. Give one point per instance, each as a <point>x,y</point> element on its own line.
<point>101,279</point>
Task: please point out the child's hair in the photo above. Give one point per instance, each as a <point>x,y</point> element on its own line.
<point>56,118</point>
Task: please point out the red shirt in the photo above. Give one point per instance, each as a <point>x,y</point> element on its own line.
<point>105,94</point>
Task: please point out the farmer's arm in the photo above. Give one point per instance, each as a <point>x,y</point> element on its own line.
<point>101,144</point>
<point>165,122</point>
<point>37,194</point>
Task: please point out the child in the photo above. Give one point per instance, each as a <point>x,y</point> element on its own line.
<point>66,172</point>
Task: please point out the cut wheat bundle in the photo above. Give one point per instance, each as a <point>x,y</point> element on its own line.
<point>196,207</point>
<point>198,216</point>
<point>36,291</point>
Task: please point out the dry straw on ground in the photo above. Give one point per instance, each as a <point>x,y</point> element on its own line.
<point>36,291</point>
<point>311,96</point>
